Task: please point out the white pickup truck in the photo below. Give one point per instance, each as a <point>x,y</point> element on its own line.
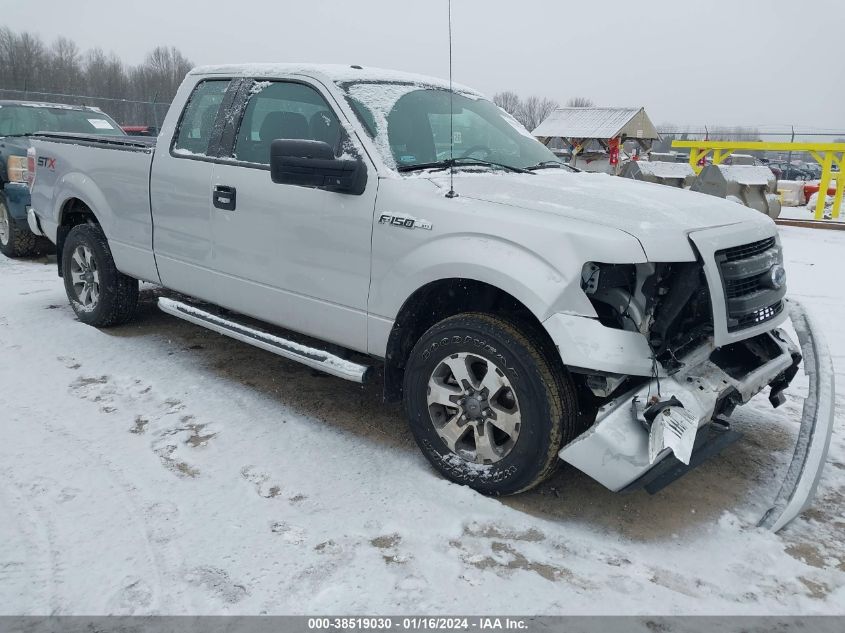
<point>524,311</point>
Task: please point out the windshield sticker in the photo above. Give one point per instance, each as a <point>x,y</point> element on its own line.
<point>101,124</point>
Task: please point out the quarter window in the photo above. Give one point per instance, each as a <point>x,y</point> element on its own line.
<point>197,125</point>
<point>284,110</point>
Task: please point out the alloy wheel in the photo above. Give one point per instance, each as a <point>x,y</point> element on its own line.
<point>474,408</point>
<point>85,277</point>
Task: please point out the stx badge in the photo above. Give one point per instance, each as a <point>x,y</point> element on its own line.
<point>405,221</point>
<point>49,163</point>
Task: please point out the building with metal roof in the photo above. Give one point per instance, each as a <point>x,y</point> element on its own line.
<point>594,133</point>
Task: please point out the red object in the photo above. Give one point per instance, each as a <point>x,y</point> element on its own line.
<point>809,190</point>
<point>139,130</point>
<point>613,151</point>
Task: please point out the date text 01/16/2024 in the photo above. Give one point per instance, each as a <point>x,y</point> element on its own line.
<point>417,623</point>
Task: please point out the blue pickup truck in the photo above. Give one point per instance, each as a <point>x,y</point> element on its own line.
<point>17,120</point>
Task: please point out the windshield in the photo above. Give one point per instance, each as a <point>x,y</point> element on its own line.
<point>28,119</point>
<point>411,125</point>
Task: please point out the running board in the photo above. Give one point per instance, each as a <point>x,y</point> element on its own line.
<point>309,356</point>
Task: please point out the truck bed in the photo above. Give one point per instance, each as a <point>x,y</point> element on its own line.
<point>108,173</point>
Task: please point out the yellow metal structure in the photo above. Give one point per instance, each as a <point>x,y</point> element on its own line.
<point>827,154</point>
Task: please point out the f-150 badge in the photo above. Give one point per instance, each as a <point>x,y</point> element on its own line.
<point>405,221</point>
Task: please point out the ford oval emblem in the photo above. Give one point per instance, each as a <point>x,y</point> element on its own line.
<point>777,276</point>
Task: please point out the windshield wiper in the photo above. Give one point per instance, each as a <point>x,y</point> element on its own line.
<point>464,161</point>
<point>551,164</point>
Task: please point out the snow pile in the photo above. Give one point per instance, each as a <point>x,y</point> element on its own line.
<point>814,200</point>
<point>662,169</point>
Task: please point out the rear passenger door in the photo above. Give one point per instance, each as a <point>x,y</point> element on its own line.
<point>294,256</point>
<point>180,190</point>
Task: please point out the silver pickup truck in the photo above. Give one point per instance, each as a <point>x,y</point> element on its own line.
<point>525,312</point>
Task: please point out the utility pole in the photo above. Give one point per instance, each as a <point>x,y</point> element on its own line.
<point>789,155</point>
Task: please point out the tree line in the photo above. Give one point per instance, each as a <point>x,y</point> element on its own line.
<point>29,66</point>
<point>533,110</point>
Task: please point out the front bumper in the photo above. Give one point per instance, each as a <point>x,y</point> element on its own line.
<point>615,450</point>
<point>17,200</point>
<point>805,469</point>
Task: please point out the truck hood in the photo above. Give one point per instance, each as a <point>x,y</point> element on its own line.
<point>660,217</point>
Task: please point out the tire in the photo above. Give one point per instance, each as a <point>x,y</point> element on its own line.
<point>534,405</point>
<point>99,294</point>
<point>15,241</point>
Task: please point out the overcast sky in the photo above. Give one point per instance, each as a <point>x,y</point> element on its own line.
<point>715,62</point>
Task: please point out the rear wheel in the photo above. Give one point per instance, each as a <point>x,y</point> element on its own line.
<point>15,241</point>
<point>485,404</point>
<point>99,294</point>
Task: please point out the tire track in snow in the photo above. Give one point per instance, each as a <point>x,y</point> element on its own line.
<point>127,493</point>
<point>36,571</point>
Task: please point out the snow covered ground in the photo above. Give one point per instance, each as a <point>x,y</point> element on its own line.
<point>161,468</point>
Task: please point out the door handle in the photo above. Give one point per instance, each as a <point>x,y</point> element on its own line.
<point>224,197</point>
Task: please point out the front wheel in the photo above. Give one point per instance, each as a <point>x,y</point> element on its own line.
<point>486,406</point>
<point>99,294</point>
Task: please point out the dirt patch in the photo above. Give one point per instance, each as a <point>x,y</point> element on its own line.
<point>176,466</point>
<point>516,560</point>
<point>818,590</point>
<point>217,582</point>
<point>140,425</point>
<point>807,553</point>
<point>261,482</point>
<point>493,531</point>
<point>387,541</point>
<point>84,381</point>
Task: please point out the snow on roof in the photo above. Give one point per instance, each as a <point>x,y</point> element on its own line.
<point>333,72</point>
<point>601,123</point>
<point>746,174</point>
<point>665,169</point>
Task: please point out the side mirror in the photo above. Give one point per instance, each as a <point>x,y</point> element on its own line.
<point>313,164</point>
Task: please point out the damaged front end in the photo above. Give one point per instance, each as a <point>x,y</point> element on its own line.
<point>712,328</point>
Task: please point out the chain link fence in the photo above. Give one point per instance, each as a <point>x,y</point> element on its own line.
<point>124,111</point>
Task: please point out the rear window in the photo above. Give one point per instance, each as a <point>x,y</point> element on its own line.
<point>28,119</point>
<point>198,118</point>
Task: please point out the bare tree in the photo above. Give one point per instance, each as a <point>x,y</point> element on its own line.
<point>22,59</point>
<point>508,101</point>
<point>534,111</point>
<point>580,102</point>
<point>28,66</point>
<point>64,71</point>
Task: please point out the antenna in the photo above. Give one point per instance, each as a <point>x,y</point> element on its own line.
<point>451,193</point>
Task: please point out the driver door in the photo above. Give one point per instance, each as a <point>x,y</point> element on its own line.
<point>294,256</point>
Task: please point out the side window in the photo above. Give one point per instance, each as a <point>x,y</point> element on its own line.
<point>198,118</point>
<point>285,110</point>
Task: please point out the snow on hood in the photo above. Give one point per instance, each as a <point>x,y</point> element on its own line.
<point>660,217</point>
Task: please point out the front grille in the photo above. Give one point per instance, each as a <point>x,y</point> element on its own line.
<point>746,250</point>
<point>740,287</point>
<point>750,298</point>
